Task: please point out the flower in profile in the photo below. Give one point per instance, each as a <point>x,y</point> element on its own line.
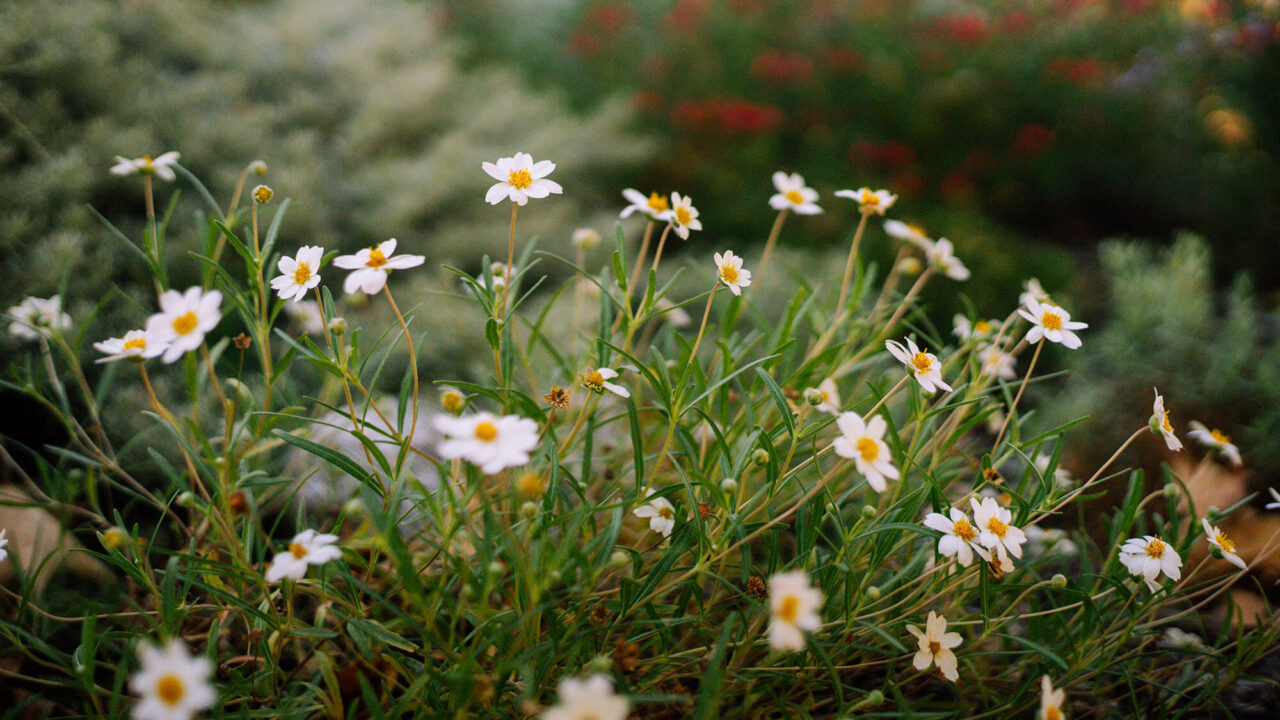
<point>171,682</point>
<point>661,514</point>
<point>654,207</point>
<point>794,195</point>
<point>870,201</point>
<point>589,699</point>
<point>183,320</point>
<point>976,330</point>
<point>520,178</point>
<point>934,646</point>
<point>161,167</point>
<point>1051,323</point>
<point>731,272</point>
<point>135,345</point>
<point>683,216</point>
<point>959,537</point>
<point>942,254</point>
<point>1273,505</point>
<point>1216,440</point>
<point>298,274</point>
<point>1031,290</point>
<point>913,234</point>
<point>1148,556</point>
<point>306,313</point>
<point>370,267</point>
<point>830,397</point>
<point>1160,424</point>
<point>863,442</point>
<point>997,363</point>
<point>3,542</point>
<point>794,608</point>
<point>308,548</point>
<point>596,380</point>
<point>922,364</point>
<point>996,531</point>
<point>1050,701</point>
<point>38,317</point>
<point>487,440</point>
<point>1221,544</point>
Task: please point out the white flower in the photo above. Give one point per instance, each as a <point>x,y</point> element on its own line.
<point>1050,701</point>
<point>596,381</point>
<point>1217,440</point>
<point>487,440</point>
<point>38,317</point>
<point>995,362</point>
<point>794,195</point>
<point>306,313</point>
<point>1219,540</point>
<point>913,234</point>
<point>683,216</point>
<point>654,207</point>
<point>585,238</point>
<point>183,320</point>
<point>1051,323</point>
<point>923,365</point>
<point>794,608</point>
<point>298,274</point>
<point>935,645</point>
<point>370,267</point>
<point>959,537</point>
<point>1147,557</point>
<point>830,397</point>
<point>1060,474</point>
<point>1275,505</point>
<point>661,514</point>
<point>1160,423</point>
<point>674,314</point>
<point>870,201</point>
<point>863,442</point>
<point>308,548</point>
<point>1178,638</point>
<point>1031,290</point>
<point>172,683</point>
<point>731,272</point>
<point>996,532</point>
<point>1041,539</point>
<point>942,255</point>
<point>3,542</point>
<point>978,330</point>
<point>161,167</point>
<point>135,345</point>
<point>520,178</point>
<point>589,699</point>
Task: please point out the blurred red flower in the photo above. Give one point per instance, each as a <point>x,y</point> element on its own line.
<point>783,68</point>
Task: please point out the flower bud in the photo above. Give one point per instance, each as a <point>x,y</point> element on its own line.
<point>531,484</point>
<point>258,167</point>
<point>872,593</point>
<point>497,568</point>
<point>875,697</point>
<point>760,456</point>
<point>910,266</point>
<point>814,396</point>
<point>338,326</point>
<point>869,511</point>
<point>114,538</point>
<point>452,401</point>
<point>262,194</point>
<point>355,508</point>
<point>529,510</point>
<point>728,485</point>
<point>1058,581</point>
<point>238,502</point>
<point>585,238</point>
<point>186,499</point>
<point>619,559</point>
<point>600,664</point>
<point>1171,491</point>
<point>555,576</point>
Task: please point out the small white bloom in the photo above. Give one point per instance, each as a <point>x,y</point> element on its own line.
<point>977,330</point>
<point>654,207</point>
<point>794,195</point>
<point>1050,701</point>
<point>135,345</point>
<point>487,440</point>
<point>959,537</point>
<point>794,607</point>
<point>1148,556</point>
<point>171,682</point>
<point>943,256</point>
<point>1178,638</point>
<point>3,542</point>
<point>298,274</point>
<point>161,167</point>
<point>183,320</point>
<point>1031,290</point>
<point>996,531</point>
<point>589,699</point>
<point>731,272</point>
<point>371,266</point>
<point>306,313</point>
<point>830,397</point>
<point>1060,475</point>
<point>863,442</point>
<point>585,238</point>
<point>1051,323</point>
<point>674,314</point>
<point>934,646</point>
<point>994,362</point>
<point>1219,540</point>
<point>1217,440</point>
<point>1040,540</point>
<point>661,514</point>
<point>923,365</point>
<point>683,216</point>
<point>1160,423</point>
<point>870,201</point>
<point>596,380</point>
<point>913,234</point>
<point>308,548</point>
<point>520,178</point>
<point>38,317</point>
<point>1275,505</point>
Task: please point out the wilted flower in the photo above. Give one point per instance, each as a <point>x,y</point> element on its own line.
<point>1148,556</point>
<point>371,266</point>
<point>935,645</point>
<point>913,234</point>
<point>487,440</point>
<point>36,317</point>
<point>1050,701</point>
<point>654,207</point>
<point>1051,323</point>
<point>994,362</point>
<point>870,201</point>
<point>1216,440</point>
<point>794,608</point>
<point>557,397</point>
<point>183,320</point>
<point>683,216</point>
<point>172,684</point>
<point>520,178</point>
<point>996,531</point>
<point>923,365</point>
<point>731,272</point>
<point>1219,540</point>
<point>794,195</point>
<point>942,255</point>
<point>589,699</point>
<point>308,548</point>
<point>863,442</point>
<point>298,274</point>
<point>959,537</point>
<point>597,381</point>
<point>1160,424</point>
<point>135,345</point>
<point>661,514</point>
<point>161,167</point>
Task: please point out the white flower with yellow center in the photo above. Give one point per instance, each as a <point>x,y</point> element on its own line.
<point>968,330</point>
<point>161,167</point>
<point>994,362</point>
<point>1050,701</point>
<point>1160,424</point>
<point>370,267</point>
<point>308,548</point>
<point>959,536</point>
<point>830,397</point>
<point>996,531</point>
<point>183,320</point>
<point>654,207</point>
<point>1031,290</point>
<point>597,380</point>
<point>942,255</point>
<point>1219,541</point>
<point>493,442</point>
<point>913,234</point>
<point>307,315</point>
<point>922,364</point>
<point>135,345</point>
<point>589,699</point>
<point>863,442</point>
<point>793,607</point>
<point>683,216</point>
<point>1051,323</point>
<point>1216,440</point>
<point>661,514</point>
<point>520,178</point>
<point>934,646</point>
<point>3,542</point>
<point>298,274</point>
<point>730,272</point>
<point>38,317</point>
<point>1148,556</point>
<point>171,682</point>
<point>794,195</point>
<point>870,202</point>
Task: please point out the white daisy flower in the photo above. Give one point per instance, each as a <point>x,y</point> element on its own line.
<point>161,167</point>
<point>306,313</point>
<point>38,317</point>
<point>1060,475</point>
<point>731,272</point>
<point>830,397</point>
<point>661,514</point>
<point>913,234</point>
<point>308,548</point>
<point>793,607</point>
<point>171,682</point>
<point>934,646</point>
<point>870,201</point>
<point>923,365</point>
<point>959,537</point>
<point>371,266</point>
<point>1219,540</point>
<point>1216,440</point>
<point>589,699</point>
<point>1274,505</point>
<point>673,313</point>
<point>1050,701</point>
<point>298,274</point>
<point>135,345</point>
<point>1160,423</point>
<point>683,216</point>
<point>976,330</point>
<point>3,542</point>
<point>794,195</point>
<point>487,440</point>
<point>183,320</point>
<point>520,178</point>
<point>1051,323</point>
<point>597,381</point>
<point>996,531</point>
<point>863,442</point>
<point>943,256</point>
<point>1148,556</point>
<point>997,363</point>
<point>1031,290</point>
<point>654,207</point>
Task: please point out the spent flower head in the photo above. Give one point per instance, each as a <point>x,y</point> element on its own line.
<point>370,267</point>
<point>870,202</point>
<point>793,608</point>
<point>1051,323</point>
<point>493,442</point>
<point>794,195</point>
<point>38,317</point>
<point>1215,440</point>
<point>863,442</point>
<point>730,272</point>
<point>307,548</point>
<point>922,364</point>
<point>935,646</point>
<point>171,683</point>
<point>161,167</point>
<point>135,345</point>
<point>183,320</point>
<point>298,274</point>
<point>520,178</point>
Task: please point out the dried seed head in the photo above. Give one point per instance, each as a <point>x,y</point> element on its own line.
<point>242,341</point>
<point>557,398</point>
<point>757,588</point>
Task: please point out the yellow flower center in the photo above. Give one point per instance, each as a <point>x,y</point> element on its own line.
<point>185,323</point>
<point>520,179</point>
<point>138,343</point>
<point>486,431</point>
<point>1164,423</point>
<point>795,197</point>
<point>682,215</point>
<point>1155,548</point>
<point>1225,542</point>
<point>1216,434</point>
<point>982,326</point>
<point>658,203</point>
<point>729,273</point>
<point>916,229</point>
<point>297,550</point>
<point>1052,713</point>
<point>963,530</point>
<point>593,380</point>
<point>997,527</point>
<point>790,609</point>
<point>868,449</point>
<point>1051,320</point>
<point>170,690</point>
<point>376,258</point>
<point>666,512</point>
<point>922,362</point>
<point>870,199</point>
<point>303,272</point>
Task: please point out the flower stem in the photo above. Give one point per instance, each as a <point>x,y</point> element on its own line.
<point>772,241</point>
<point>848,265</point>
<point>662,241</point>
<point>703,327</point>
<point>413,357</point>
<point>511,256</point>
<point>644,252</point>
<point>1005,425</point>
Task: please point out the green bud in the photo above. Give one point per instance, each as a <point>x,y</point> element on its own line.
<point>497,568</point>
<point>338,326</point>
<point>1171,491</point>
<point>728,485</point>
<point>760,456</point>
<point>869,511</point>
<point>555,576</point>
<point>872,593</point>
<point>529,510</point>
<point>258,167</point>
<point>186,499</point>
<point>114,538</point>
<point>814,396</point>
<point>1058,581</point>
<point>619,559</point>
<point>875,697</point>
<point>355,508</point>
